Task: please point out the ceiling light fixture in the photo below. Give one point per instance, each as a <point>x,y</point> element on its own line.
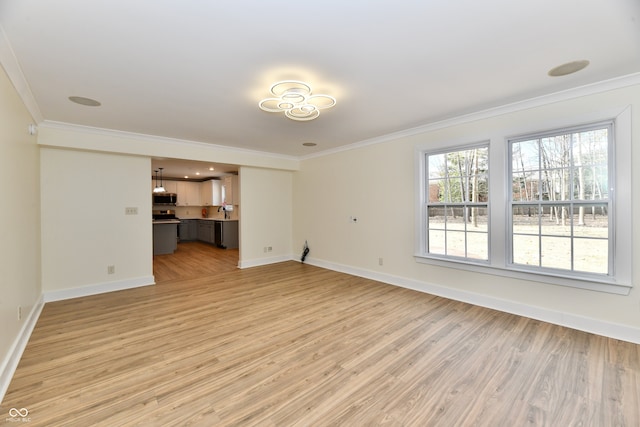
<point>294,98</point>
<point>568,68</point>
<point>84,101</point>
<point>159,189</point>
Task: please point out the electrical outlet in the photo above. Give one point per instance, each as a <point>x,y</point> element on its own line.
<point>269,249</point>
<point>111,269</point>
<point>131,211</point>
<point>19,313</point>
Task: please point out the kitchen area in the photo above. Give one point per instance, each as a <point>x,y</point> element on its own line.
<point>188,210</point>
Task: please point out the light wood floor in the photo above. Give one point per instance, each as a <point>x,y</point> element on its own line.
<point>194,259</point>
<point>295,345</point>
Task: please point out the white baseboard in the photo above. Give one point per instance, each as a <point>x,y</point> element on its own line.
<point>608,329</point>
<point>582,323</point>
<point>10,363</point>
<point>98,288</point>
<point>263,261</point>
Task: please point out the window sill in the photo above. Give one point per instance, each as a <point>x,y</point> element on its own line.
<point>606,284</point>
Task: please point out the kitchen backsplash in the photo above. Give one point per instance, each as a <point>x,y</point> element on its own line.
<point>187,212</point>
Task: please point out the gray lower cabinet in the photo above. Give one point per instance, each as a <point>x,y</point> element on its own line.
<point>223,234</point>
<point>226,234</point>
<point>164,238</point>
<point>188,230</point>
<point>193,229</point>
<point>206,231</point>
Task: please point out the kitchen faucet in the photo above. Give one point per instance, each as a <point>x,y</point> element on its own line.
<point>223,208</point>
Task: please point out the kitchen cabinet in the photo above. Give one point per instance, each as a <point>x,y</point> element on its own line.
<point>188,230</point>
<point>170,186</point>
<point>222,233</point>
<point>210,193</point>
<point>206,231</point>
<point>230,190</point>
<point>164,237</point>
<point>226,234</point>
<point>188,193</point>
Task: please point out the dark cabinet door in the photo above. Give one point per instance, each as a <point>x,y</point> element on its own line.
<point>193,229</point>
<point>218,230</point>
<point>188,229</point>
<point>203,231</point>
<point>183,231</point>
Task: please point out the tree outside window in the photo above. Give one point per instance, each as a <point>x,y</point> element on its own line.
<point>457,203</point>
<point>560,206</point>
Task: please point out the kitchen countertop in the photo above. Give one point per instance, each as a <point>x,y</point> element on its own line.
<point>177,221</point>
<point>166,221</point>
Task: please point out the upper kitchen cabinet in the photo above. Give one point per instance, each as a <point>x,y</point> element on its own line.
<point>188,193</point>
<point>230,190</point>
<point>210,193</point>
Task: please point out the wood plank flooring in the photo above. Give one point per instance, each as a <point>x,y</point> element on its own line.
<point>295,345</point>
<point>194,259</point>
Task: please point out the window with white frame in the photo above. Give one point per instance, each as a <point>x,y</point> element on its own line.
<point>553,206</point>
<point>560,210</point>
<point>457,202</point>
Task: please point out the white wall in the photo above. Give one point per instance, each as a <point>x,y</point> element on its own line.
<point>265,215</point>
<point>265,210</point>
<point>84,226</point>
<point>376,184</point>
<point>20,231</point>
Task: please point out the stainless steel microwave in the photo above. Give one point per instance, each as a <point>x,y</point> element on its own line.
<point>165,198</point>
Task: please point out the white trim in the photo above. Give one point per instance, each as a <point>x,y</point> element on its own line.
<point>12,358</point>
<point>11,66</point>
<point>50,124</point>
<point>582,323</point>
<point>264,261</point>
<point>574,281</point>
<point>98,288</point>
<point>620,283</point>
<point>590,89</point>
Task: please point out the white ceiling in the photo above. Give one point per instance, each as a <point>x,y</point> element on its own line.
<point>195,70</point>
<point>189,169</point>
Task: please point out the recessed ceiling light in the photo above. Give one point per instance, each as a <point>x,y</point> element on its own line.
<point>211,169</point>
<point>568,68</point>
<point>309,144</point>
<point>197,173</point>
<point>186,177</point>
<point>84,101</point>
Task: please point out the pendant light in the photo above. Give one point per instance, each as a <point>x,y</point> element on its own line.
<point>159,189</point>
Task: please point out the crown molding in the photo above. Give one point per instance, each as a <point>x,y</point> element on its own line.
<point>11,66</point>
<point>565,95</point>
<point>50,124</point>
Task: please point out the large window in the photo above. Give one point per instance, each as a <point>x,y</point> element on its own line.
<point>457,203</point>
<point>552,206</point>
<point>560,206</point>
